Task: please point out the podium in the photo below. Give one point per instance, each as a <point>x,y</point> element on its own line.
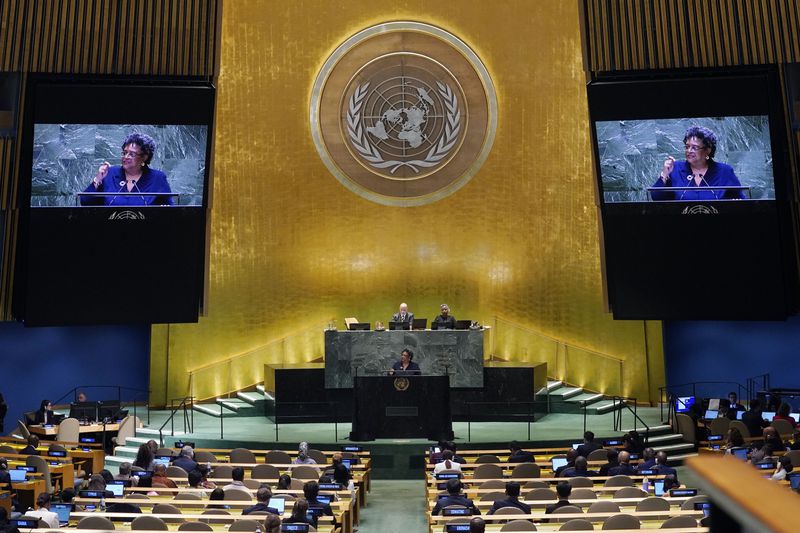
<point>401,407</point>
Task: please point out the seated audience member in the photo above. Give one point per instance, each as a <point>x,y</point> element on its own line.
<point>5,477</point>
<point>195,478</point>
<point>477,525</point>
<point>302,456</point>
<point>45,413</point>
<point>285,482</point>
<point>563,489</point>
<point>263,496</point>
<point>518,455</point>
<point>217,495</point>
<point>96,482</point>
<point>125,474</point>
<point>272,524</point>
<point>589,445</point>
<point>300,514</point>
<point>108,477</point>
<point>732,406</point>
<point>784,467</point>
<point>580,469</point>
<point>662,468</point>
<point>572,454</point>
<point>512,491</point>
<point>342,476</point>
<point>186,459</point>
<point>734,439</point>
<point>238,480</point>
<point>447,463</point>
<point>613,461</point>
<point>144,458</point>
<point>454,497</point>
<point>30,449</point>
<point>771,444</point>
<point>160,477</point>
<point>43,511</point>
<point>204,482</point>
<point>754,419</point>
<point>450,445</point>
<point>633,442</point>
<point>796,444</point>
<point>783,414</point>
<point>648,459</point>
<point>81,397</point>
<point>763,454</point>
<point>5,525</point>
<point>624,467</point>
<point>311,491</point>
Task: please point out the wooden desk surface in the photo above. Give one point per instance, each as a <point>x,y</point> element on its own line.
<point>49,431</point>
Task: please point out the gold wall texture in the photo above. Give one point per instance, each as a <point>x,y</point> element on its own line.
<point>291,248</point>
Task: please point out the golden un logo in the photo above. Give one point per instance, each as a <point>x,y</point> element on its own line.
<point>403,113</point>
<point>401,384</point>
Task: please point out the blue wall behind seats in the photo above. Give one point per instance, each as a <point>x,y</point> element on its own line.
<point>40,363</point>
<point>732,351</point>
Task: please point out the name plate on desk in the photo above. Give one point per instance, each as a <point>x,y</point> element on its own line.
<point>455,353</point>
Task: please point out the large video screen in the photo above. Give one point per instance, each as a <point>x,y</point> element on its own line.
<point>68,158</point>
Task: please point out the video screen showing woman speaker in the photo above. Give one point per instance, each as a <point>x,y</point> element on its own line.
<point>118,165</point>
<point>686,159</point>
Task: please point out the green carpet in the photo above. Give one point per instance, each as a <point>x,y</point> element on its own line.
<point>395,506</point>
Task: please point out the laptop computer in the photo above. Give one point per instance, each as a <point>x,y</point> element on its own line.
<point>62,510</point>
<point>711,414</point>
<point>117,487</point>
<point>162,460</point>
<point>794,481</point>
<point>658,487</point>
<point>463,324</point>
<point>558,462</point>
<point>324,498</point>
<point>768,415</point>
<point>419,323</point>
<point>739,414</point>
<point>393,326</point>
<point>739,453</point>
<point>278,504</point>
<point>18,475</point>
<point>703,506</point>
<point>436,326</point>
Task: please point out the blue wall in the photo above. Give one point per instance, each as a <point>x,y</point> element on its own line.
<point>40,363</point>
<point>732,351</point>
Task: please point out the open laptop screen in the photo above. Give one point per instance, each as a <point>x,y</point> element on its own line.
<point>558,462</point>
<point>278,503</point>
<point>17,475</point>
<point>62,510</point>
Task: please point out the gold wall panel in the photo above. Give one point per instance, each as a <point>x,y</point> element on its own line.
<point>292,248</point>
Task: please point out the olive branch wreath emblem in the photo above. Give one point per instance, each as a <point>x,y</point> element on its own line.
<point>359,140</point>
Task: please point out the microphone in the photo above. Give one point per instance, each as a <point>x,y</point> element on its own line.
<point>136,186</point>
<point>688,181</point>
<point>714,192</point>
<point>121,186</point>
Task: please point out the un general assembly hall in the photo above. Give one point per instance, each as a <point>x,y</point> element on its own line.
<point>399,266</point>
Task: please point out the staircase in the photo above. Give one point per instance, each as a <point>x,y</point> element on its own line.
<point>662,439</point>
<point>567,399</point>
<point>246,403</point>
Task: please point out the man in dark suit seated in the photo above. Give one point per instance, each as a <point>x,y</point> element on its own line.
<point>580,469</point>
<point>589,445</point>
<point>403,315</point>
<point>661,467</point>
<point>512,491</point>
<point>518,455</point>
<point>624,467</point>
<point>571,456</point>
<point>733,405</point>
<point>753,418</point>
<point>311,491</point>
<point>613,462</point>
<point>186,459</point>
<point>454,497</point>
<point>648,460</point>
<point>477,525</point>
<point>563,489</point>
<point>263,496</point>
<point>30,449</point>
<point>406,365</point>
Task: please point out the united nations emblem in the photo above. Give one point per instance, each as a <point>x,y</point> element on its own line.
<point>403,113</point>
<point>401,384</point>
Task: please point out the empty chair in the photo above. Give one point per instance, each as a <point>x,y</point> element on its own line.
<point>526,470</point>
<point>254,484</point>
<point>22,429</point>
<point>738,424</point>
<point>195,526</point>
<point>583,494</point>
<point>536,485</point>
<point>215,512</point>
<point>167,508</point>
<point>686,427</point>
<point>508,510</point>
<point>187,496</point>
<point>688,505</point>
<point>318,456</point>
<point>600,454</point>
<point>237,494</point>
<point>165,452</point>
<point>618,481</point>
<point>127,430</point>
<point>306,472</point>
<point>277,457</point>
<point>245,525</point>
<point>297,484</point>
<point>69,430</point>
<point>41,468</point>
<point>679,522</point>
<point>223,472</point>
<point>541,494</point>
<point>52,448</point>
<point>653,503</point>
<point>493,484</point>
<point>138,496</point>
<point>493,496</point>
<point>568,509</point>
<point>519,525</point>
<point>487,458</point>
<point>584,482</point>
<point>719,426</point>
<point>242,455</point>
<point>783,427</point>
<point>577,524</point>
<point>148,522</point>
<point>202,456</point>
<point>487,471</point>
<point>630,492</point>
<point>95,522</point>
<point>176,471</point>
<point>265,472</point>
<point>794,455</point>
<point>622,521</point>
<point>603,506</point>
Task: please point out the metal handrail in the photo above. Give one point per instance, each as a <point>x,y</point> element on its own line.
<point>529,414</point>
<point>170,419</point>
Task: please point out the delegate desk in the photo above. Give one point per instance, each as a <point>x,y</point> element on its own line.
<point>457,353</point>
<point>402,407</point>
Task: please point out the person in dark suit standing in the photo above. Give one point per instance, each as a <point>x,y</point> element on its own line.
<point>454,497</point>
<point>406,365</point>
<point>403,315</point>
<point>445,320</point>
<point>563,489</point>
<point>512,491</point>
<point>589,445</point>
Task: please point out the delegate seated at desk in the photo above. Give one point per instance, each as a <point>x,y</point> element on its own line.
<point>405,366</point>
<point>445,320</point>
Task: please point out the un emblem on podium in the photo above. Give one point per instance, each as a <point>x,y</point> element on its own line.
<point>401,384</point>
<point>403,113</point>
